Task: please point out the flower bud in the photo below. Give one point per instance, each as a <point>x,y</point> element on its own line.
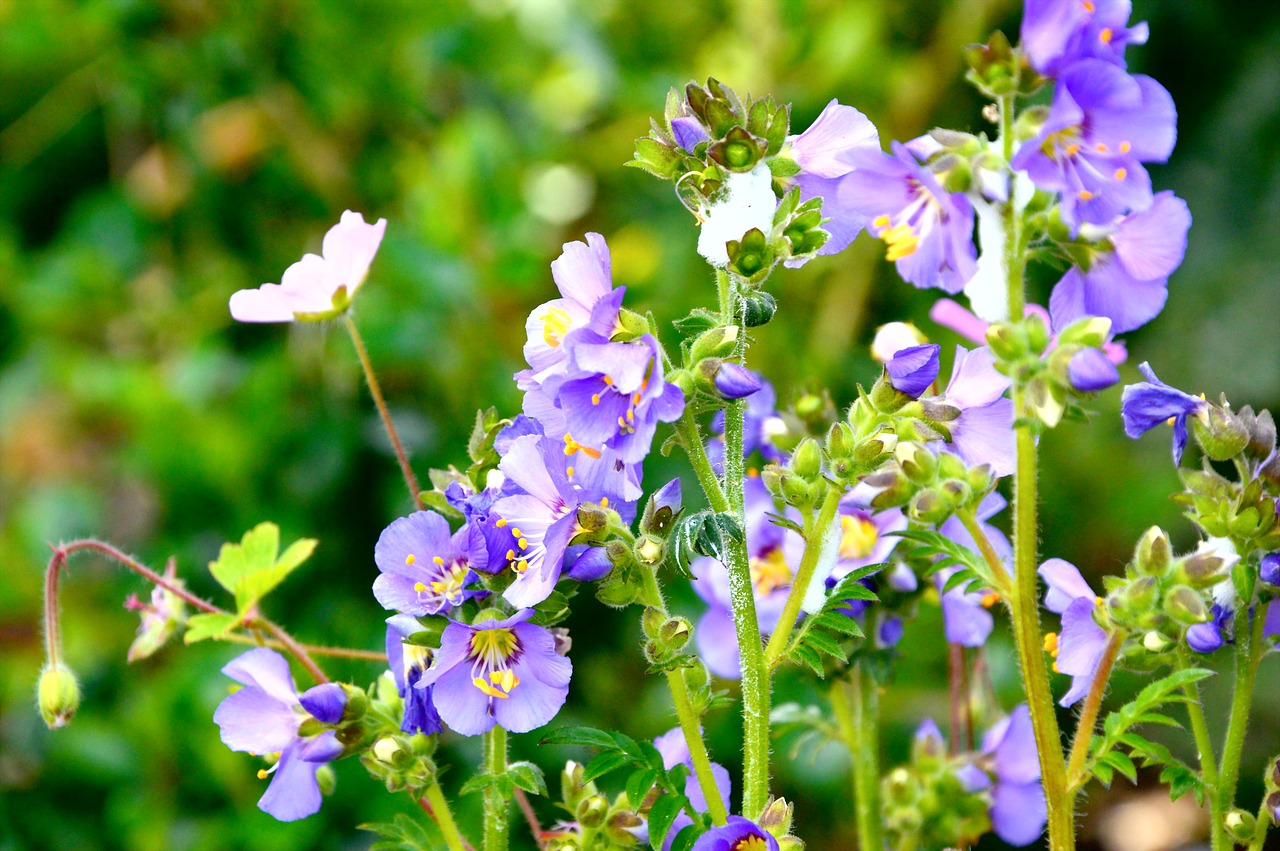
<point>619,553</point>
<point>734,381</point>
<point>675,633</point>
<point>1153,553</point>
<point>716,343</point>
<point>758,308</point>
<point>1090,371</point>
<point>592,518</point>
<point>326,779</point>
<point>1202,570</point>
<point>1205,638</point>
<point>917,462</point>
<point>1185,606</point>
<point>651,621</point>
<point>795,491</point>
<point>389,752</point>
<point>58,695</point>
<point>1220,434</point>
<point>572,789</point>
<point>929,507</point>
<point>1037,333</point>
<point>1269,569</point>
<point>806,461</point>
<point>911,370</point>
<point>631,326</point>
<point>1155,642</point>
<point>650,550</point>
<point>777,817</point>
<point>1239,824</point>
<point>592,811</point>
<point>1007,342</point>
<point>840,441</point>
<point>1091,331</point>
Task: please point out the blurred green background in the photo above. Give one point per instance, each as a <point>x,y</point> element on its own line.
<point>157,156</point>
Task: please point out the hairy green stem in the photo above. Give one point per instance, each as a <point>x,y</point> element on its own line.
<point>375,390</point>
<point>690,723</point>
<point>497,830</point>
<point>1089,715</point>
<point>857,709</point>
<point>756,684</point>
<point>1204,748</point>
<point>1264,823</point>
<point>1004,583</point>
<point>815,538</point>
<point>444,818</point>
<point>1249,648</point>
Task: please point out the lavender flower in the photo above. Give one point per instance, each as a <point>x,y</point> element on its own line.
<point>675,751</point>
<point>1210,636</point>
<point>735,381</point>
<point>425,569</point>
<point>1128,276</point>
<point>503,672</point>
<point>1269,568</point>
<point>913,369</point>
<point>928,231</point>
<point>983,433</point>
<point>264,717</point>
<point>867,537</point>
<point>1018,808</point>
<point>1056,33</point>
<point>317,286</point>
<point>738,834</point>
<point>773,552</point>
<point>1078,649</point>
<point>760,424</point>
<point>1149,403</point>
<point>1103,125</point>
<point>407,663</point>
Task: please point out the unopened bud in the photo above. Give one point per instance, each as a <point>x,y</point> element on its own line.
<point>929,507</point>
<point>592,518</point>
<point>592,811</point>
<point>777,816</point>
<point>1156,642</point>
<point>1269,569</point>
<point>1185,606</point>
<point>1007,342</point>
<point>716,343</point>
<point>1220,434</point>
<point>917,462</point>
<point>675,633</point>
<point>1203,570</point>
<point>326,779</point>
<point>893,338</point>
<point>1092,331</point>
<point>806,461</point>
<point>619,553</point>
<point>651,621</point>
<point>388,751</point>
<point>1153,553</point>
<point>631,326</point>
<point>620,827</point>
<point>840,440</point>
<point>649,550</point>
<point>58,695</point>
<point>1240,824</point>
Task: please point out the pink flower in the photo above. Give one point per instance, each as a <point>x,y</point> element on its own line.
<point>317,287</point>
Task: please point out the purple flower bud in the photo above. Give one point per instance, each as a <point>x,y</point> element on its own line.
<point>890,632</point>
<point>325,702</point>
<point>688,132</point>
<point>1091,371</point>
<point>669,496</point>
<point>588,566</point>
<point>902,578</point>
<point>735,381</point>
<point>1205,638</point>
<point>1270,569</point>
<point>912,370</point>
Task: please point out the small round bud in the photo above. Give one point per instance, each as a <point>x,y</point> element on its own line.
<point>58,696</point>
<point>1239,824</point>
<point>651,621</point>
<point>806,461</point>
<point>592,811</point>
<point>1184,605</point>
<point>1153,553</point>
<point>675,633</point>
<point>387,750</point>
<point>1155,642</point>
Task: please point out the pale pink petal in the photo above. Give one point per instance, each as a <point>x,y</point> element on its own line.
<point>349,247</point>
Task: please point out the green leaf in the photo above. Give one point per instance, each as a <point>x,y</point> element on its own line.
<point>820,641</point>
<point>478,783</point>
<point>662,815</point>
<point>604,763</point>
<point>253,568</point>
<point>529,777</point>
<point>200,627</point>
<point>588,737</point>
<point>402,834</point>
<point>639,784</point>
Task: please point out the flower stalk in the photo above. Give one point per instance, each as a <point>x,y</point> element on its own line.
<point>444,818</point>
<point>497,832</point>
<point>1249,650</point>
<point>815,536</point>
<point>1089,715</point>
<point>857,709</point>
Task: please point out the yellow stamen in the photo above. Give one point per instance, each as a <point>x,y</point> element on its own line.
<point>1056,669</point>
<point>502,521</point>
<point>511,555</point>
<point>569,472</point>
<point>1050,642</point>
<point>1124,147</point>
<point>881,221</point>
<point>1099,602</point>
<point>419,587</point>
<point>523,544</point>
<point>1084,195</point>
<point>522,565</point>
<point>1072,150</point>
<point>438,560</point>
<point>901,241</point>
<point>572,446</point>
<point>608,379</point>
<point>595,398</point>
<point>479,683</point>
<point>555,324</point>
<point>1102,148</point>
<point>635,399</point>
<point>1088,5</point>
<point>604,502</point>
<point>770,571</point>
<point>858,537</point>
<point>1105,35</point>
<point>410,559</point>
<point>990,599</point>
<point>263,774</point>
<point>1121,173</point>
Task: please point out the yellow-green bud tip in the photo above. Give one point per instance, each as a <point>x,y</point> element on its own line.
<point>58,696</point>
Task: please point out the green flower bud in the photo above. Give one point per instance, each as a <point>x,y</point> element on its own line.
<point>1185,606</point>
<point>1008,342</point>
<point>696,676</point>
<point>592,518</point>
<point>620,826</point>
<point>1156,642</point>
<point>651,621</point>
<point>1090,332</point>
<point>840,440</point>
<point>1220,434</point>
<point>806,461</point>
<point>675,633</point>
<point>572,789</point>
<point>650,550</point>
<point>631,326</point>
<point>619,554</point>
<point>1153,554</point>
<point>389,751</point>
<point>929,507</point>
<point>758,309</point>
<point>716,343</point>
<point>917,463</point>
<point>777,817</point>
<point>592,811</point>
<point>326,779</point>
<point>58,695</point>
<point>772,478</point>
<point>1202,570</point>
<point>795,491</point>
<point>1239,824</point>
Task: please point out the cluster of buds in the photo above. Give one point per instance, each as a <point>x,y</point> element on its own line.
<point>927,800</point>
<point>776,819</point>
<point>929,486</point>
<point>402,761</point>
<point>799,482</point>
<point>665,639</point>
<point>624,585</point>
<point>722,151</point>
<point>598,822</point>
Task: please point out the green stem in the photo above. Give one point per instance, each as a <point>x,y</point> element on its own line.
<point>1013,260</point>
<point>1004,583</point>
<point>1263,824</point>
<point>1089,715</point>
<point>691,437</point>
<point>444,818</point>
<point>497,831</point>
<point>689,719</point>
<point>375,390</point>
<point>756,684</point>
<point>857,709</point>
<point>1204,746</point>
<point>1248,646</point>
<point>814,539</point>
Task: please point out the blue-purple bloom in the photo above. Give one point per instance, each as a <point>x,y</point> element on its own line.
<point>913,369</point>
<point>1018,808</point>
<point>1078,649</point>
<point>1091,371</point>
<point>983,433</point>
<point>1269,568</point>
<point>407,663</point>
<point>688,132</point>
<point>1150,403</point>
<point>739,834</point>
<point>1057,33</point>
<point>1210,636</point>
<point>425,569</point>
<point>928,231</point>
<point>675,751</point>
<point>1103,125</point>
<point>735,381</point>
<point>264,718</point>
<point>503,672</point>
<point>1128,277</point>
<point>773,552</point>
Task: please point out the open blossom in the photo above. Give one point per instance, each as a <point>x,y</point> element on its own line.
<point>317,286</point>
<point>675,751</point>
<point>1078,649</point>
<point>983,432</point>
<point>773,554</point>
<point>739,834</point>
<point>264,717</point>
<point>823,153</point>
<point>1018,808</point>
<point>1056,33</point>
<point>1128,276</point>
<point>504,672</point>
<point>928,231</point>
<point>408,662</point>
<point>1103,125</point>
<point>1150,403</point>
<point>426,569</point>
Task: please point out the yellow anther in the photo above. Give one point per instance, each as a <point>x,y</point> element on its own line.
<point>635,399</point>
<point>511,555</point>
<point>1088,5</point>
<point>419,587</point>
<point>631,414</point>
<point>604,502</point>
<point>770,572</point>
<point>990,599</point>
<point>1105,35</point>
<point>571,446</point>
<point>622,422</point>
<point>858,536</point>
<point>608,379</point>
<point>263,774</point>
<point>555,324</point>
<point>523,543</point>
<point>1051,642</point>
<point>522,565</point>
<point>1102,148</point>
<point>1122,173</point>
<point>595,398</point>
<point>410,559</point>
<point>569,472</point>
<point>901,241</point>
<point>505,679</point>
<point>1124,147</point>
<point>502,521</point>
<point>1084,195</point>
<point>1099,602</point>
<point>439,587</point>
<point>516,532</point>
<point>438,560</point>
<point>1072,150</point>
<point>881,221</point>
<point>1171,421</point>
<point>479,683</point>
<point>750,843</point>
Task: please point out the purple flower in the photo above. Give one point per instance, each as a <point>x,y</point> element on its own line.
<point>1018,808</point>
<point>983,433</point>
<point>1271,627</point>
<point>1078,649</point>
<point>1269,568</point>
<point>1210,636</point>
<point>760,425</point>
<point>675,751</point>
<point>407,663</point>
<point>928,231</point>
<point>264,718</point>
<point>1091,371</point>
<point>825,154</point>
<point>1056,33</point>
<point>738,835</point>
<point>912,370</point>
<point>966,618</point>
<point>1127,280</point>
<point>867,537</point>
<point>1149,403</point>
<point>773,553</point>
<point>735,381</point>
<point>425,569</point>
<point>1102,126</point>
<point>477,509</point>
<point>317,286</point>
<point>503,672</point>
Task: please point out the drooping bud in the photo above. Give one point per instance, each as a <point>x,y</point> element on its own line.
<point>912,370</point>
<point>735,381</point>
<point>58,695</point>
<point>758,308</point>
<point>1205,638</point>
